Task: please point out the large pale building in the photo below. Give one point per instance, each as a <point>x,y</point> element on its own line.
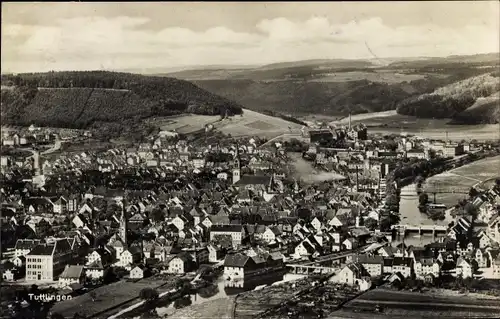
<point>47,261</point>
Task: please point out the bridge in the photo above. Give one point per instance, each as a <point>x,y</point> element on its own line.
<point>404,228</point>
<point>304,269</point>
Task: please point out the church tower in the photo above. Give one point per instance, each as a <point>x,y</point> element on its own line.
<point>36,162</point>
<point>123,226</point>
<point>236,166</point>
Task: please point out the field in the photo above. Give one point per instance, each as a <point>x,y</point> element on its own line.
<point>465,176</point>
<point>109,296</point>
<point>222,308</point>
<point>376,76</point>
<point>184,124</point>
<point>250,123</point>
<point>417,305</point>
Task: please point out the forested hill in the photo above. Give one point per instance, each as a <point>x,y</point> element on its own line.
<point>451,101</point>
<point>82,99</point>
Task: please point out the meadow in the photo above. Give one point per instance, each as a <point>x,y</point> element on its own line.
<point>465,176</point>
<point>185,123</point>
<point>250,123</point>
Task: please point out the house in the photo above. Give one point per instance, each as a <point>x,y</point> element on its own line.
<point>96,269</point>
<point>340,220</point>
<point>237,232</point>
<point>350,243</point>
<point>137,272</point>
<point>24,246</point>
<point>424,266</point>
<point>241,270</point>
<point>9,271</point>
<point>305,248</point>
<point>235,266</point>
<point>180,222</point>
<point>481,257</point>
<point>79,221</point>
<point>353,274</point>
<point>71,274</point>
<point>395,277</point>
<point>47,261</point>
<point>181,264</point>
<point>372,264</point>
<point>19,262</point>
<point>60,206</point>
<point>129,256</point>
<point>403,265</point>
<point>495,263</point>
<point>493,229</point>
<point>465,268</point>
<point>215,253</point>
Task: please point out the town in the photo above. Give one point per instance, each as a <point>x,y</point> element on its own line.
<point>124,231</point>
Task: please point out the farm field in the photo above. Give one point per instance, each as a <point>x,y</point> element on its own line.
<point>429,305</point>
<point>249,124</point>
<point>109,296</point>
<point>252,123</point>
<point>465,176</point>
<point>375,76</point>
<point>184,124</point>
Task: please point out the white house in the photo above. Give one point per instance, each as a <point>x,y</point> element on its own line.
<point>137,272</point>
<point>95,270</point>
<point>464,268</point>
<point>353,274</point>
<point>72,274</point>
<point>179,264</point>
<point>427,266</point>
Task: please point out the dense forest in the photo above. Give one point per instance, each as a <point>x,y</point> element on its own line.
<point>298,95</point>
<point>82,99</point>
<point>451,100</point>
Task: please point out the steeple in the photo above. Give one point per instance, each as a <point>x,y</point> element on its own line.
<point>236,165</point>
<point>36,162</point>
<point>123,225</point>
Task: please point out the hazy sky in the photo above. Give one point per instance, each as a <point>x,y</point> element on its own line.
<point>78,36</point>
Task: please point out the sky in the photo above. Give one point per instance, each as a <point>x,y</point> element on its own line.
<point>117,36</point>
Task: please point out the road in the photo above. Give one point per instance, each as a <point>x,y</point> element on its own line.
<point>56,147</point>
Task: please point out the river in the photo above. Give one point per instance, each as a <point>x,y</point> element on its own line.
<point>410,214</point>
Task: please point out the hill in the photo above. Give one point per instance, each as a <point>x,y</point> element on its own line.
<point>451,100</point>
<point>337,87</point>
<point>301,97</point>
<point>483,111</point>
<point>96,98</point>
